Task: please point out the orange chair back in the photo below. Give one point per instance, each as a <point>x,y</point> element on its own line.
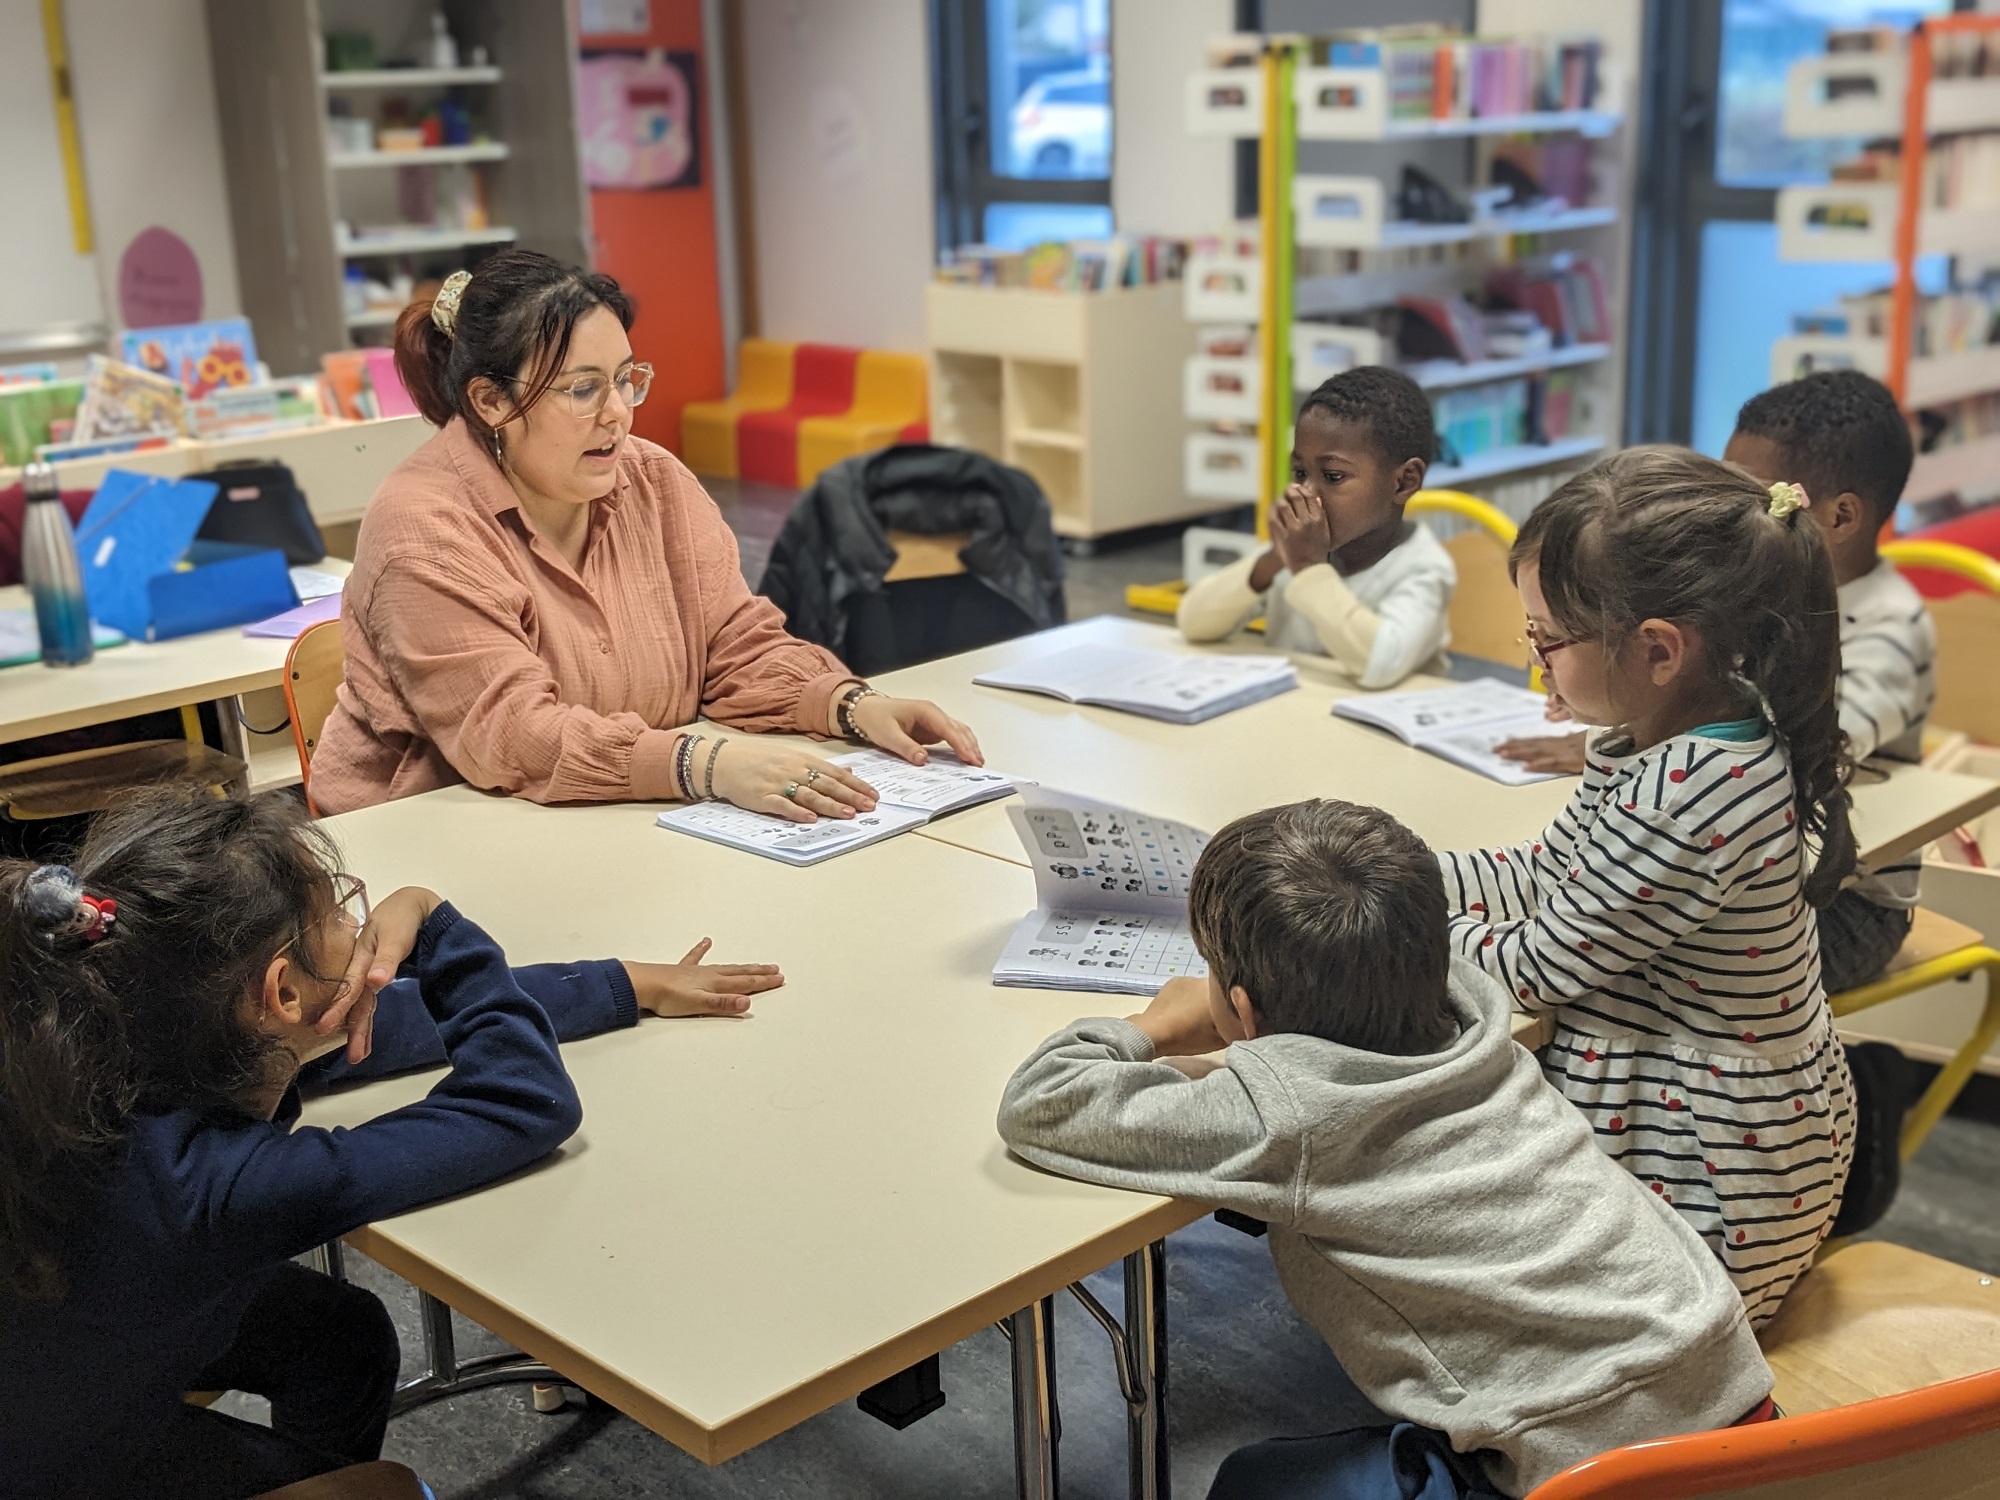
<point>314,670</point>
<point>1941,1442</point>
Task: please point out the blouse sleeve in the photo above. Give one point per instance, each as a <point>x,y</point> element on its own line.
<point>460,657</point>
<point>756,675</point>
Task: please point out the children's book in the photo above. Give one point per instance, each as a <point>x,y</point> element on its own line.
<point>1181,689</point>
<point>344,373</point>
<point>909,796</point>
<point>202,357</point>
<point>124,401</point>
<point>1462,723</point>
<point>39,373</point>
<point>385,382</point>
<point>29,412</point>
<point>1110,898</point>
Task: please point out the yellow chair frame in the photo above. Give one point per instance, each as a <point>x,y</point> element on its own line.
<point>1957,963</point>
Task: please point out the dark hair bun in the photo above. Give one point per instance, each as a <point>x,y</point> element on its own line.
<point>51,897</point>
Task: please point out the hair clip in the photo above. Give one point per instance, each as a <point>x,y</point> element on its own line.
<point>1787,497</point>
<point>103,913</point>
<point>444,310</point>
<point>58,905</point>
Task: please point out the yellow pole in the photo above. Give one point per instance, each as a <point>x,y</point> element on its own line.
<point>57,41</point>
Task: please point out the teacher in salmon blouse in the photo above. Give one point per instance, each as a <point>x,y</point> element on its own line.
<point>539,599</point>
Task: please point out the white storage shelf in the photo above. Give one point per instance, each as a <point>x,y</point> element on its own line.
<point>1949,470</point>
<point>407,78</point>
<point>1351,104</point>
<point>1515,459</point>
<point>1229,388</point>
<point>1861,94</point>
<point>1857,221</point>
<point>415,241</point>
<point>1221,288</point>
<point>1350,213</point>
<point>1934,380</point>
<point>425,156</point>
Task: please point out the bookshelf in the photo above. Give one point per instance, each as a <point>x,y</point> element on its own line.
<point>307,210</point>
<point>1311,285</point>
<point>1071,388</point>
<point>1918,95</point>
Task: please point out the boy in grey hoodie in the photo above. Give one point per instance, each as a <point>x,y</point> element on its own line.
<point>1488,1278</point>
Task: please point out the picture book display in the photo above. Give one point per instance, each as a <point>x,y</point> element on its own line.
<point>1110,898</point>
<point>124,401</point>
<point>908,797</point>
<point>202,357</point>
<point>1462,723</point>
<point>1180,689</point>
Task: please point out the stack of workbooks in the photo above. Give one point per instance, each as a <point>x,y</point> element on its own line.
<point>910,796</point>
<point>1179,688</point>
<point>1110,898</point>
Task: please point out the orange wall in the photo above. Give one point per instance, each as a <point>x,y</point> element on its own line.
<point>661,248</point>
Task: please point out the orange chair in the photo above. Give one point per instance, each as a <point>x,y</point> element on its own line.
<point>314,670</point>
<point>891,404</point>
<point>1888,1366</point>
<point>763,383</point>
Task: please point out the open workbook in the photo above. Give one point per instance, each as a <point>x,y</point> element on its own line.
<point>1110,898</point>
<point>1462,723</point>
<point>908,797</point>
<point>1179,688</point>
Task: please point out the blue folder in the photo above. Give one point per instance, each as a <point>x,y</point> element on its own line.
<point>144,574</point>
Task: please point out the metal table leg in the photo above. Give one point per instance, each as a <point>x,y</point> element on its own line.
<point>1146,1341</point>
<point>1037,1426</point>
<point>450,1376</point>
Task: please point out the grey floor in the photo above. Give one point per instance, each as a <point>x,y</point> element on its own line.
<point>1242,1368</point>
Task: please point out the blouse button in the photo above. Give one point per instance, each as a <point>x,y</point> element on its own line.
<point>604,647</point>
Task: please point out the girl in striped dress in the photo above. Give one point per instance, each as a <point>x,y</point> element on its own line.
<point>1667,916</point>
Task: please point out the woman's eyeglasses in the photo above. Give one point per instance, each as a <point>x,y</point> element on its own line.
<point>1541,647</point>
<point>588,393</point>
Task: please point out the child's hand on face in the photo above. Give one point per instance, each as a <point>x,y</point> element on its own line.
<point>693,988</point>
<point>1301,533</point>
<point>379,950</point>
<point>1179,1021</point>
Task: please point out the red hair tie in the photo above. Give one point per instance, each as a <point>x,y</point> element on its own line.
<point>103,913</point>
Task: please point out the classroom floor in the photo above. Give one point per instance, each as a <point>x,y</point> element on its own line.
<point>1243,1366</point>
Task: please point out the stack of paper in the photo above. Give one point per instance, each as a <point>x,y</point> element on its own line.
<point>1111,898</point>
<point>909,796</point>
<point>1181,689</point>
<point>1463,723</point>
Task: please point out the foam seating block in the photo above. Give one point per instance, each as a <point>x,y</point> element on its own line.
<point>767,442</point>
<point>763,383</point>
<point>891,403</point>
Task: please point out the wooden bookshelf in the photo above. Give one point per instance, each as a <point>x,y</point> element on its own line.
<point>1072,387</point>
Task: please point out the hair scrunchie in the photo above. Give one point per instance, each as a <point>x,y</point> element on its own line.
<point>58,906</point>
<point>444,310</point>
<point>1787,497</point>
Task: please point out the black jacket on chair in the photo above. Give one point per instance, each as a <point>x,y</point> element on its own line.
<point>827,567</point>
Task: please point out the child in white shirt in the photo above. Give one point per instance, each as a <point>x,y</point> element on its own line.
<point>1345,576</point>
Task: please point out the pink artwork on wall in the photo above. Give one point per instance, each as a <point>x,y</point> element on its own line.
<point>638,119</point>
<point>159,281</point>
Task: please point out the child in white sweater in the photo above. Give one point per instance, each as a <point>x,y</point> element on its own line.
<point>1505,1298</point>
<point>1345,576</point>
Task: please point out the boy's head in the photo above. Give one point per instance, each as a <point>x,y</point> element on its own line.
<point>1840,435</point>
<point>1328,919</point>
<point>1362,444</point>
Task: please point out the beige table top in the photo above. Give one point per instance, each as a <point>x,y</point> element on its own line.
<point>137,678</point>
<point>759,1218</point>
<point>1292,747</point>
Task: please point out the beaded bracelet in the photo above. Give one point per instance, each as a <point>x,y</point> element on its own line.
<point>708,776</point>
<point>684,766</point>
<point>844,714</point>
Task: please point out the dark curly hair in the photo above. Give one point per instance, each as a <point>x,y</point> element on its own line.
<point>514,322</point>
<point>1387,404</point>
<point>1837,430</point>
<point>149,1014</point>
<point>1662,533</point>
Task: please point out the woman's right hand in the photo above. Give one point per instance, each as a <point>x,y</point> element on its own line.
<point>753,775</point>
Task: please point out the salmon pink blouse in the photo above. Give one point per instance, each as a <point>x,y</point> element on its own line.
<point>476,653</point>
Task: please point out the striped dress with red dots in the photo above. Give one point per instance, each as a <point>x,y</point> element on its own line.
<point>1661,919</point>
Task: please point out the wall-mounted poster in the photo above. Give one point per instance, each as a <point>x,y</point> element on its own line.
<point>639,119</point>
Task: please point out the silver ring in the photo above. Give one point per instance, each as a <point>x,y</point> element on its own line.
<point>812,776</point>
<point>791,791</point>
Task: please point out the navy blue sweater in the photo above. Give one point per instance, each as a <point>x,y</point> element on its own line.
<point>178,1222</point>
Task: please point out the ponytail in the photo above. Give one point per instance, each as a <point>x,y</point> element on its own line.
<point>1663,533</point>
<point>509,322</point>
<point>122,986</point>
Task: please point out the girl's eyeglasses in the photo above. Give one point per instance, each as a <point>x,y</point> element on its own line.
<point>350,904</point>
<point>1542,648</point>
<point>588,393</point>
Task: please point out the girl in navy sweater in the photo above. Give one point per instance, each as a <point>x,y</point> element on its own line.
<point>163,1005</point>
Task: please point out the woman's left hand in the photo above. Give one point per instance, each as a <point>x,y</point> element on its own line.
<point>903,726</point>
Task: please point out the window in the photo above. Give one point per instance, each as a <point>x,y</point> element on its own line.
<point>1024,128</point>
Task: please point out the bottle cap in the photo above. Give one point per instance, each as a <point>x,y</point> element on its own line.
<point>39,480</point>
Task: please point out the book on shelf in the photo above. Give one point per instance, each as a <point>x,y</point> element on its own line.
<point>1110,898</point>
<point>1438,74</point>
<point>202,357</point>
<point>1176,687</point>
<point>1462,723</point>
<point>254,410</point>
<point>1068,265</point>
<point>30,413</point>
<point>122,401</point>
<point>909,796</point>
<point>41,372</point>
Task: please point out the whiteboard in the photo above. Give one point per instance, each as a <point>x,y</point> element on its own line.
<point>42,278</point>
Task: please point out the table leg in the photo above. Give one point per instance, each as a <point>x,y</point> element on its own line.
<point>228,719</point>
<point>1036,1429</point>
<point>451,1376</point>
<point>1146,1339</point>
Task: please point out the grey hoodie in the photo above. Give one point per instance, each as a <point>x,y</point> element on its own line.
<point>1446,1222</point>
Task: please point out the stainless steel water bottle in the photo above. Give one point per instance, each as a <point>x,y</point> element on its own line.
<point>50,569</point>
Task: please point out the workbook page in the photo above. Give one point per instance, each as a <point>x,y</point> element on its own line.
<point>943,783</point>
<point>1115,952</point>
<point>779,838</point>
<point>1092,856</point>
